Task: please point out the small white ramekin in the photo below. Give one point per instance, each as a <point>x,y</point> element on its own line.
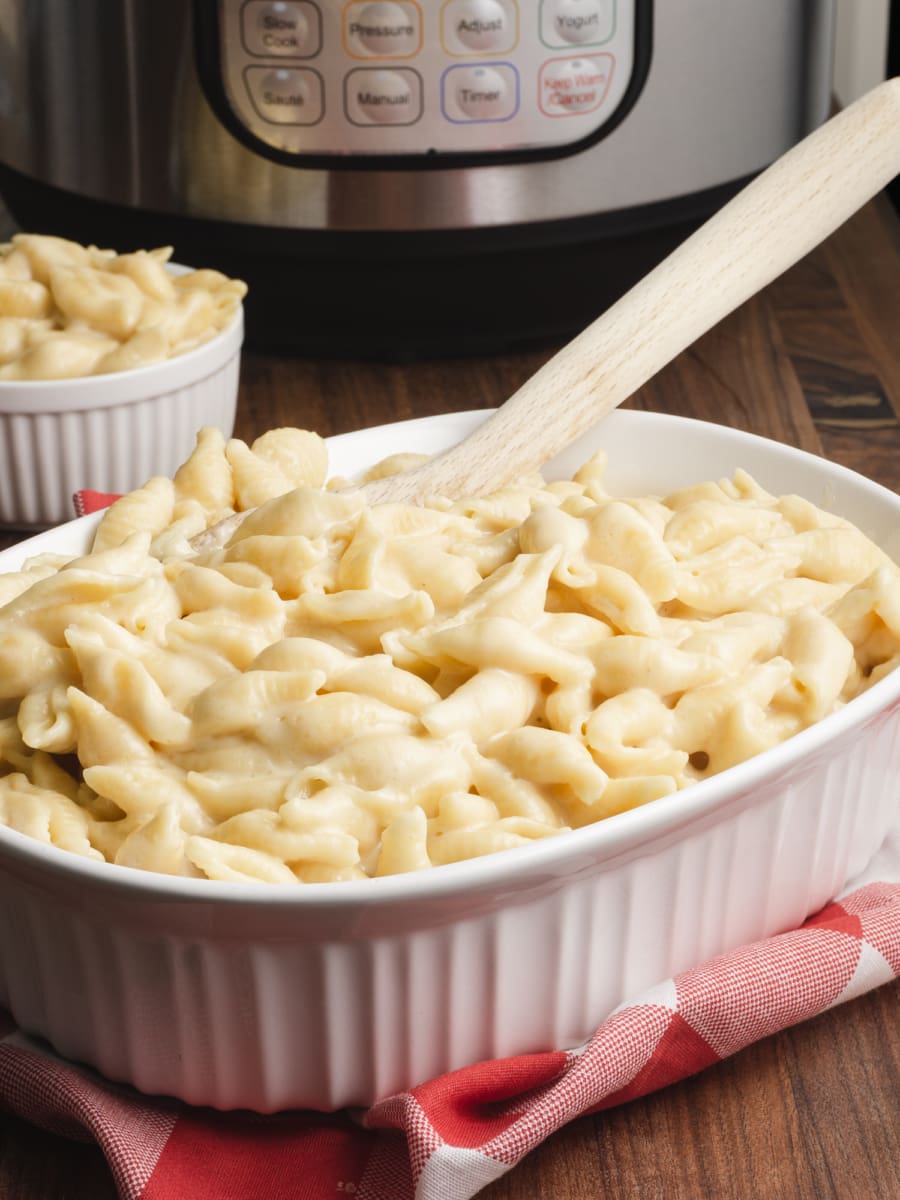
<point>110,432</point>
<point>244,996</point>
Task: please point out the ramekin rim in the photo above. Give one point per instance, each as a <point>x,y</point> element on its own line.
<point>34,397</point>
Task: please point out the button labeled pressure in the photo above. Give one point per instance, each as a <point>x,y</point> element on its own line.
<point>385,29</point>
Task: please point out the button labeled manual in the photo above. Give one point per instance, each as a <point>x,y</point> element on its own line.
<point>382,96</point>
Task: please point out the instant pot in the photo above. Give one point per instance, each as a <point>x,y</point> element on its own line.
<point>402,177</point>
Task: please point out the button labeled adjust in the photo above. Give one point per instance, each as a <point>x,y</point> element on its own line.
<point>286,96</point>
<point>479,26</point>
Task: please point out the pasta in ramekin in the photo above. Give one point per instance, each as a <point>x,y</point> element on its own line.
<point>346,691</point>
<point>68,311</point>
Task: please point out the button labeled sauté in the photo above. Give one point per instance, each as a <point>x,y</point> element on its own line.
<point>286,95</point>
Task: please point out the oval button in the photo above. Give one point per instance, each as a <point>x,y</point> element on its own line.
<point>579,22</point>
<point>384,29</point>
<point>481,93</point>
<point>280,28</point>
<point>569,86</point>
<point>286,96</point>
<point>478,25</point>
<point>383,97</point>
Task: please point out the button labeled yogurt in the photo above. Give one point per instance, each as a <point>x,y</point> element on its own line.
<point>385,29</point>
<point>577,22</point>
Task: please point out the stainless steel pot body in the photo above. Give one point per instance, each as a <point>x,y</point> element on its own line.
<point>106,100</point>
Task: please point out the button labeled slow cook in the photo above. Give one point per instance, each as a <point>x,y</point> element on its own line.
<point>485,92</point>
<point>570,86</point>
<point>286,96</point>
<point>577,22</point>
<point>479,26</point>
<point>378,96</point>
<point>281,29</point>
<point>385,29</point>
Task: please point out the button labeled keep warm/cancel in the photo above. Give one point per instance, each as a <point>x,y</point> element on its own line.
<point>571,86</point>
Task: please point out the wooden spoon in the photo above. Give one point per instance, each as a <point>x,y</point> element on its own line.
<point>780,216</point>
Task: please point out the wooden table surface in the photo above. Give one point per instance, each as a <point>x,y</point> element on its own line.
<point>810,1114</point>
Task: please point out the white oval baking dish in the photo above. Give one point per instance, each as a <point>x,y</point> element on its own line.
<point>340,993</point>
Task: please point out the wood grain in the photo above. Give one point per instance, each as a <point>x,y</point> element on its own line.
<point>812,1113</point>
<point>805,1115</point>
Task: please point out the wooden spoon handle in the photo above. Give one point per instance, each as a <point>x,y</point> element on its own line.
<point>780,216</point>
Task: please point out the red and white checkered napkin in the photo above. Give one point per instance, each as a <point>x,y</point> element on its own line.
<point>448,1138</point>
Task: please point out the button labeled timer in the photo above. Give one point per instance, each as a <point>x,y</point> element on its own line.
<point>483,92</point>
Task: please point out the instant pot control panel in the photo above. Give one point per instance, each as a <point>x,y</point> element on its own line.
<point>313,81</point>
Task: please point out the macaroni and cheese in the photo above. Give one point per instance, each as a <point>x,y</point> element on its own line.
<point>344,691</point>
<point>68,310</point>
